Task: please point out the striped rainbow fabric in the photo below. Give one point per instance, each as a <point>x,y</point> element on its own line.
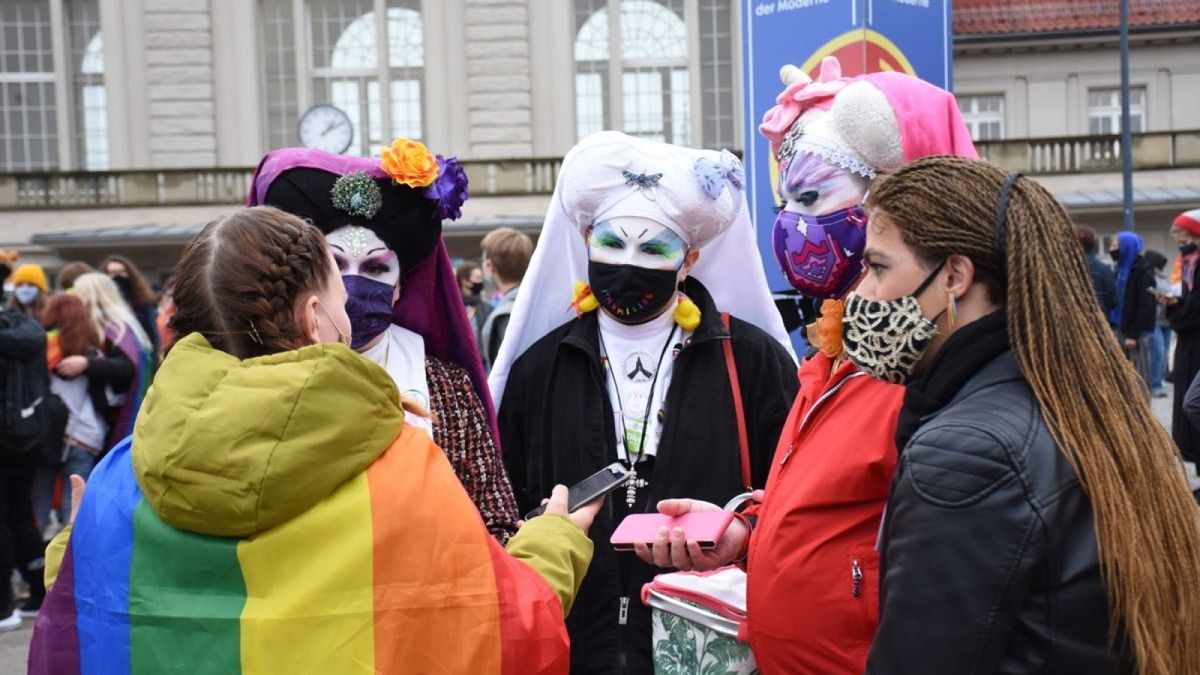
<point>356,584</point>
<point>143,374</point>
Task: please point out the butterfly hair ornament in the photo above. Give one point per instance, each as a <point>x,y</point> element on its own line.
<point>713,174</point>
<point>644,181</point>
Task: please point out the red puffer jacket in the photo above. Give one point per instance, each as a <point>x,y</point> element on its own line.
<point>813,585</point>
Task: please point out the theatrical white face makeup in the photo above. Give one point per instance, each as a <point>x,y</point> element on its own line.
<point>358,251</point>
<point>815,187</point>
<point>636,241</point>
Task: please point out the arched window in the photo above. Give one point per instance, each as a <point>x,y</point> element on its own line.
<point>348,67</point>
<point>91,113</point>
<point>648,75</point>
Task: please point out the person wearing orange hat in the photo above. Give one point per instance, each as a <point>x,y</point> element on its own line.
<point>1184,315</point>
<point>29,290</point>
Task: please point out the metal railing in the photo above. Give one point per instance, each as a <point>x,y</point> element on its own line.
<point>1089,154</point>
<point>536,176</point>
<point>190,187</point>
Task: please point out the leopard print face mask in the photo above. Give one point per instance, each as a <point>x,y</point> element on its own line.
<point>886,338</point>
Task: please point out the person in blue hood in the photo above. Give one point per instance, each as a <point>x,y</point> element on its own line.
<point>1134,313</point>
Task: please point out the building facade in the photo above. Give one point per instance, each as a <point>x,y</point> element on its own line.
<point>127,124</point>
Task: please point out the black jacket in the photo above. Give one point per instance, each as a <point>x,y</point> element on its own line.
<point>147,318</point>
<point>1185,321</point>
<point>23,377</point>
<point>1140,306</point>
<point>557,426</point>
<point>1103,282</point>
<point>110,370</point>
<point>989,545</point>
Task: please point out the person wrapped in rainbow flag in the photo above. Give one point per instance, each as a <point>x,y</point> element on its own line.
<point>383,221</point>
<point>274,513</point>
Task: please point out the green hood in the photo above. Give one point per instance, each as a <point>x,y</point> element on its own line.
<point>230,447</point>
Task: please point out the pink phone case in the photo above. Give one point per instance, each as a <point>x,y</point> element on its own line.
<point>705,527</point>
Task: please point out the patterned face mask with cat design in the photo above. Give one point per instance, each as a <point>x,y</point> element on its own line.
<point>886,338</point>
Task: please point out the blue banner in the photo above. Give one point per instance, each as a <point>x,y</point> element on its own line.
<point>912,36</point>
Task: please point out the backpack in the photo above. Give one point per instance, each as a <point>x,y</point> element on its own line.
<point>32,418</point>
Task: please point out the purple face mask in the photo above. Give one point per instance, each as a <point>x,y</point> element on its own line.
<point>827,260</point>
<point>369,307</point>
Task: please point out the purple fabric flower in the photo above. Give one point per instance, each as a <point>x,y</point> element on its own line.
<point>450,188</point>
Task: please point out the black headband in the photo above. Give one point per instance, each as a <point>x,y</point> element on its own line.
<point>1002,215</point>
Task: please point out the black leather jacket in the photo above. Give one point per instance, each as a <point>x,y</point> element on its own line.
<point>989,547</point>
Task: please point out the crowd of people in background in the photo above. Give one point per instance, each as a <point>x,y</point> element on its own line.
<point>1136,291</point>
<point>98,347</point>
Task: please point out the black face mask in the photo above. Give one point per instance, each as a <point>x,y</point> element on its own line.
<point>477,288</point>
<point>1187,249</point>
<point>1116,255</point>
<point>631,294</point>
<point>124,285</point>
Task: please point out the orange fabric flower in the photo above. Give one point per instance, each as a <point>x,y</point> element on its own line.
<point>410,163</point>
<point>829,328</point>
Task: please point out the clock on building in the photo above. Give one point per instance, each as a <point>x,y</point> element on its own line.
<point>326,127</point>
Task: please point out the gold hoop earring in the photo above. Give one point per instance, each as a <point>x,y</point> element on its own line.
<point>952,310</point>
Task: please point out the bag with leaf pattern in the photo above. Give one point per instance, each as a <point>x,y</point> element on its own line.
<point>699,623</point>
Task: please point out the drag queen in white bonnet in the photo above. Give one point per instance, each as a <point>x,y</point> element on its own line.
<point>616,351</point>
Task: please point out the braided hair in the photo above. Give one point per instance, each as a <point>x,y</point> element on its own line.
<point>1147,526</point>
<point>240,278</point>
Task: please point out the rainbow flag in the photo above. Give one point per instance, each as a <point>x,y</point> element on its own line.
<point>143,373</point>
<point>54,353</point>
<point>359,583</point>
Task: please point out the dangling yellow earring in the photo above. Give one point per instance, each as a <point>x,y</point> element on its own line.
<point>583,300</point>
<point>952,310</point>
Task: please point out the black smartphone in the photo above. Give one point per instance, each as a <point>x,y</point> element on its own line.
<point>596,485</point>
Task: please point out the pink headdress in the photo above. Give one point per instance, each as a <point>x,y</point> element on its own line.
<point>870,123</point>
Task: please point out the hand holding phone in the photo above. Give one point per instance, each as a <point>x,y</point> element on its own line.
<point>672,549</point>
<point>557,505</point>
<point>703,527</point>
<point>591,488</point>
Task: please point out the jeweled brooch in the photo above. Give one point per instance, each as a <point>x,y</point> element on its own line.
<point>357,193</point>
<point>641,180</point>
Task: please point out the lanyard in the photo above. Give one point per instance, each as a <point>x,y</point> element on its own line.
<point>632,457</point>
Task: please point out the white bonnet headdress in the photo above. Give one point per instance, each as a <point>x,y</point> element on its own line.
<point>698,194</point>
<point>695,193</point>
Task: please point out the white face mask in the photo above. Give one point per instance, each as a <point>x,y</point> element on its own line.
<point>26,293</point>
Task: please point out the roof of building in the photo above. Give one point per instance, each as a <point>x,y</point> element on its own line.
<point>1113,198</point>
<point>1006,17</point>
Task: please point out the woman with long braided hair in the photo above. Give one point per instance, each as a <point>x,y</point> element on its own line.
<point>1039,520</point>
<point>275,513</point>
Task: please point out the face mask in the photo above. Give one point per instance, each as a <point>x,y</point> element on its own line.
<point>1116,255</point>
<point>631,294</point>
<point>26,294</point>
<point>886,338</point>
<point>369,307</point>
<point>124,285</point>
<point>477,288</point>
<point>1187,249</point>
<point>823,257</point>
